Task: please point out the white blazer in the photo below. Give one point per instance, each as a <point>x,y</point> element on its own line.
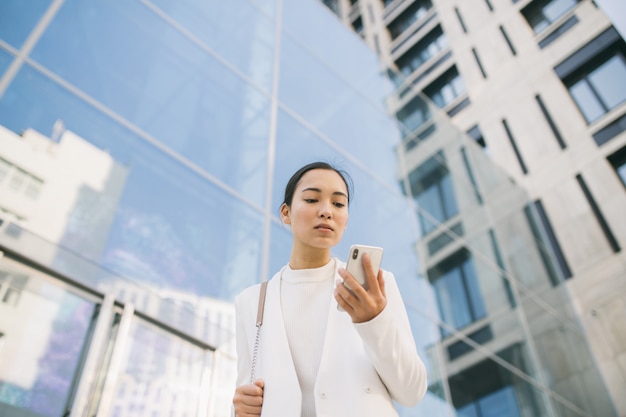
<point>364,366</point>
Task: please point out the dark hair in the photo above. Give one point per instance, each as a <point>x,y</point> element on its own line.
<point>290,189</point>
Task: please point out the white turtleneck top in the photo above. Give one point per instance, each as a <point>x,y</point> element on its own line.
<point>305,297</point>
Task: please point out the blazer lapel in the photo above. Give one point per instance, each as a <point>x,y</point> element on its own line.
<point>282,395</point>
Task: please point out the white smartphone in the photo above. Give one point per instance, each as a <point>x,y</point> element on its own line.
<point>354,264</point>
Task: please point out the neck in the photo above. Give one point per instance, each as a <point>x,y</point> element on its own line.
<point>311,259</point>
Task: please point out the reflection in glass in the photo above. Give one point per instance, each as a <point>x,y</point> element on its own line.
<point>161,375</point>
<point>432,188</point>
<point>458,294</point>
<point>39,357</point>
<point>18,19</point>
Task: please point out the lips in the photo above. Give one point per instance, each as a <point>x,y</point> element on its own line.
<point>324,226</point>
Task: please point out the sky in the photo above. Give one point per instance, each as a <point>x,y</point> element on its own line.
<point>616,10</point>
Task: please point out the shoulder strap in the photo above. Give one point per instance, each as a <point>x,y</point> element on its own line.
<point>259,322</point>
<point>259,314</point>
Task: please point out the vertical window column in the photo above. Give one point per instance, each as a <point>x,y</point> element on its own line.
<point>461,22</point>
<point>598,214</point>
<point>480,65</point>
<point>553,127</point>
<point>508,40</point>
<point>520,160</point>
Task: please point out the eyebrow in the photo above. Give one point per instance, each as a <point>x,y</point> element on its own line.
<point>341,193</point>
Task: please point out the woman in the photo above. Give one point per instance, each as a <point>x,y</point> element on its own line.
<point>325,350</point>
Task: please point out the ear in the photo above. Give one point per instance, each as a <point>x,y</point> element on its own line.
<point>284,214</point>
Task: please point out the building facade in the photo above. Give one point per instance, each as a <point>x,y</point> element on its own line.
<point>145,145</point>
<point>540,86</point>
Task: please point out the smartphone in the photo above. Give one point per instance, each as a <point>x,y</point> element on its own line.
<point>354,264</point>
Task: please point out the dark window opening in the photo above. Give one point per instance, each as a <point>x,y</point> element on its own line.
<point>540,14</point>
<point>445,89</point>
<point>518,155</point>
<point>479,63</point>
<point>461,22</point>
<point>551,123</point>
<point>433,191</point>
<point>595,74</point>
<point>508,40</point>
<point>357,25</point>
<point>488,389</point>
<point>604,225</point>
<point>458,293</point>
<point>429,46</point>
<point>412,14</point>
<point>618,161</point>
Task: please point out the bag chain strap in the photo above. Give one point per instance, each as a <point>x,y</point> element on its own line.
<point>259,323</point>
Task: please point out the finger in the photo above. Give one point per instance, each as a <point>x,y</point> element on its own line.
<point>381,283</point>
<point>349,282</point>
<point>370,274</point>
<point>343,295</point>
<point>259,383</point>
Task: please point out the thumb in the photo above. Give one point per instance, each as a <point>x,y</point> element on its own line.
<point>259,383</point>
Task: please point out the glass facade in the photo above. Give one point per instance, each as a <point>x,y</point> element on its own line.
<point>144,148</point>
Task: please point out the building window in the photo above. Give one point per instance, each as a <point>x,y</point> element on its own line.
<point>461,22</point>
<point>433,43</point>
<point>604,225</point>
<point>540,14</point>
<point>432,189</point>
<point>486,389</point>
<point>357,25</point>
<point>618,161</point>
<point>413,115</point>
<point>19,181</point>
<point>600,88</point>
<point>333,5</point>
<point>595,74</point>
<point>446,88</point>
<point>412,14</point>
<point>458,294</point>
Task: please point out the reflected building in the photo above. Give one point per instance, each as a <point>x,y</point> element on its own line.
<point>538,87</point>
<point>186,119</point>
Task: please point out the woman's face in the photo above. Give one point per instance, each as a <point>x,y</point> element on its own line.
<point>318,214</point>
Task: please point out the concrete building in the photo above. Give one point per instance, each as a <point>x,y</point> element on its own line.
<point>541,86</point>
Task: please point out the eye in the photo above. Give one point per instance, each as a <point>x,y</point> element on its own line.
<point>338,204</point>
<point>310,200</point>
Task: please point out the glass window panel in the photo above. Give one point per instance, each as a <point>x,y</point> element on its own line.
<point>165,85</point>
<point>236,30</point>
<point>336,108</point>
<point>621,171</point>
<point>302,21</point>
<point>5,60</point>
<point>448,197</point>
<point>39,360</point>
<point>586,100</point>
<point>473,289</point>
<point>430,201</point>
<point>469,410</point>
<point>148,217</point>
<point>453,302</point>
<point>557,8</point>
<point>18,18</point>
<point>501,403</point>
<point>161,372</point>
<point>609,81</point>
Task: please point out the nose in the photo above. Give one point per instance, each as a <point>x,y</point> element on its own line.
<point>325,211</point>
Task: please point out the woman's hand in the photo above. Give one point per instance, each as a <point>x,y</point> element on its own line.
<point>248,399</point>
<point>362,305</point>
